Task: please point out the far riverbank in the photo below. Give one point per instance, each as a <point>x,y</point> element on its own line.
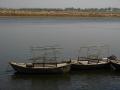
<point>58,14</point>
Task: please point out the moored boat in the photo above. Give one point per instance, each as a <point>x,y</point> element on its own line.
<point>89,65</point>
<point>114,62</point>
<point>92,61</point>
<point>115,65</point>
<point>43,64</point>
<point>40,67</point>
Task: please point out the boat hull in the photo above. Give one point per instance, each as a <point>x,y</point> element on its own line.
<point>90,66</point>
<point>115,66</point>
<point>20,69</point>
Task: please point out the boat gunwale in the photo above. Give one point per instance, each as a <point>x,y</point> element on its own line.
<point>49,67</point>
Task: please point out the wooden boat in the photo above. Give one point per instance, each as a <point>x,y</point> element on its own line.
<point>89,65</point>
<point>115,65</point>
<point>114,62</point>
<point>42,64</point>
<point>40,67</point>
<point>92,61</point>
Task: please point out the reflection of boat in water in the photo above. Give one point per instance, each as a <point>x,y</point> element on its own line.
<point>40,81</point>
<point>44,63</point>
<point>93,59</point>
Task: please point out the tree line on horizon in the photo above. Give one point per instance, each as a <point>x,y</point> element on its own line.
<point>77,12</point>
<point>109,9</point>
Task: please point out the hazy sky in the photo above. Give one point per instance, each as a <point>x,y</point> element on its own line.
<point>59,3</point>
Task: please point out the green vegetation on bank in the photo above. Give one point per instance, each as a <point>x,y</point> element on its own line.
<point>87,12</point>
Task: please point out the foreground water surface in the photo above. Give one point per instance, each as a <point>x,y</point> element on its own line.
<point>18,34</point>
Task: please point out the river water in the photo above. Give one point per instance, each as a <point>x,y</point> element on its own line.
<point>17,35</point>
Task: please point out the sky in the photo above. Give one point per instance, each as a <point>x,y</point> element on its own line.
<point>59,3</point>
